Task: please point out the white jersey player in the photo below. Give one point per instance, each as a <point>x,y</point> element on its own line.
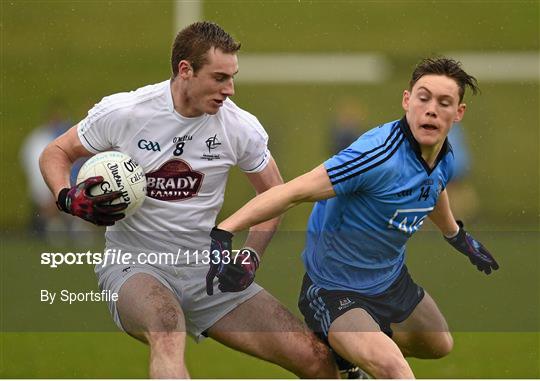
<point>186,134</point>
<point>186,159</point>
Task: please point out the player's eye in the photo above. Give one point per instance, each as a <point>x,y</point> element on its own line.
<point>444,103</point>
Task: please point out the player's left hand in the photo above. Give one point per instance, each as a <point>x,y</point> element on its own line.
<point>477,253</point>
<point>235,272</point>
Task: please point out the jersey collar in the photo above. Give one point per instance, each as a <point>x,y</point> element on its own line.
<point>404,126</point>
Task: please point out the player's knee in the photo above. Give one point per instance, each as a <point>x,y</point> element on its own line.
<point>324,369</point>
<point>169,319</point>
<point>315,361</point>
<point>381,363</point>
<point>167,343</point>
<point>320,363</point>
<point>443,346</point>
<point>390,366</point>
<point>166,330</point>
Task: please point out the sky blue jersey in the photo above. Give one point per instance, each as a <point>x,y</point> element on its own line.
<point>384,192</point>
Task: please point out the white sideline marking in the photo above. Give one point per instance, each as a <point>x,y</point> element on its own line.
<point>375,68</point>
<point>186,12</point>
<point>362,67</point>
<point>309,68</point>
<point>500,66</point>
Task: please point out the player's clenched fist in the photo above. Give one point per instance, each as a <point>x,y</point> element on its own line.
<point>98,210</point>
<point>477,253</point>
<point>234,270</point>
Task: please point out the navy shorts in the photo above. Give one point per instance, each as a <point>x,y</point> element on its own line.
<point>321,307</point>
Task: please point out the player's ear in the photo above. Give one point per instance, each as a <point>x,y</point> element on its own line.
<point>406,99</point>
<point>460,111</point>
<point>184,69</point>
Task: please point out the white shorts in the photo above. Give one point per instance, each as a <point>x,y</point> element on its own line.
<point>187,283</point>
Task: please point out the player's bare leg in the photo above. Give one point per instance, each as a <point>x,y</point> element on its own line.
<point>424,334</point>
<point>356,337</point>
<point>262,327</point>
<point>150,312</point>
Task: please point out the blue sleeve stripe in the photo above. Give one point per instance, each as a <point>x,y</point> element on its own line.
<point>366,161</point>
<point>258,165</point>
<point>90,144</point>
<point>334,181</point>
<point>394,130</point>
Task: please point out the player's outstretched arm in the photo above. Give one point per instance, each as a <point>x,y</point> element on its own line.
<point>236,274</point>
<point>55,164</point>
<point>459,238</point>
<point>260,235</point>
<point>312,186</point>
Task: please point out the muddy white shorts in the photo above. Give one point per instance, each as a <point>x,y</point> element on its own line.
<point>187,283</point>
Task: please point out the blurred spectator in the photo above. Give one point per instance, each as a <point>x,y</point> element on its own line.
<point>462,193</point>
<point>347,125</point>
<point>45,217</point>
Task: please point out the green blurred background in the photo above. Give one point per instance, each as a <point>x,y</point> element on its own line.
<point>82,51</point>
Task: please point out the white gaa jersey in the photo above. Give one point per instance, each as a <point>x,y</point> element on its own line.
<point>186,161</point>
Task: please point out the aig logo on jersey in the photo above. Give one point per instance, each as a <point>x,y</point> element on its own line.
<point>173,181</point>
<point>408,220</point>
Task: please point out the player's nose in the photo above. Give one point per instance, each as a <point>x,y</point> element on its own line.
<point>228,89</point>
<point>431,110</point>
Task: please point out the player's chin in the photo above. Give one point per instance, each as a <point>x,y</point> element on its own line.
<point>212,109</point>
<point>429,139</point>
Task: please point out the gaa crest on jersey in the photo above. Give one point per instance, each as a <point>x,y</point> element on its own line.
<point>175,180</point>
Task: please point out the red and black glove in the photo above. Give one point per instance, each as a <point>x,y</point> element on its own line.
<point>235,271</point>
<point>98,210</point>
<point>477,253</point>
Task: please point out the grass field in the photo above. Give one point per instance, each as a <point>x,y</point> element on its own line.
<point>494,319</point>
<point>86,50</point>
<point>115,355</point>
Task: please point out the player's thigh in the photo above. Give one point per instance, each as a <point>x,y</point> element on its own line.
<point>355,334</point>
<point>263,327</point>
<point>357,337</point>
<point>425,332</point>
<point>145,305</point>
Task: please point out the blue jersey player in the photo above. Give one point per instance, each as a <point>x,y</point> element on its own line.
<point>370,198</point>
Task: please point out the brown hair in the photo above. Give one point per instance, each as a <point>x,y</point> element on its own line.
<point>192,43</point>
<point>448,67</point>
